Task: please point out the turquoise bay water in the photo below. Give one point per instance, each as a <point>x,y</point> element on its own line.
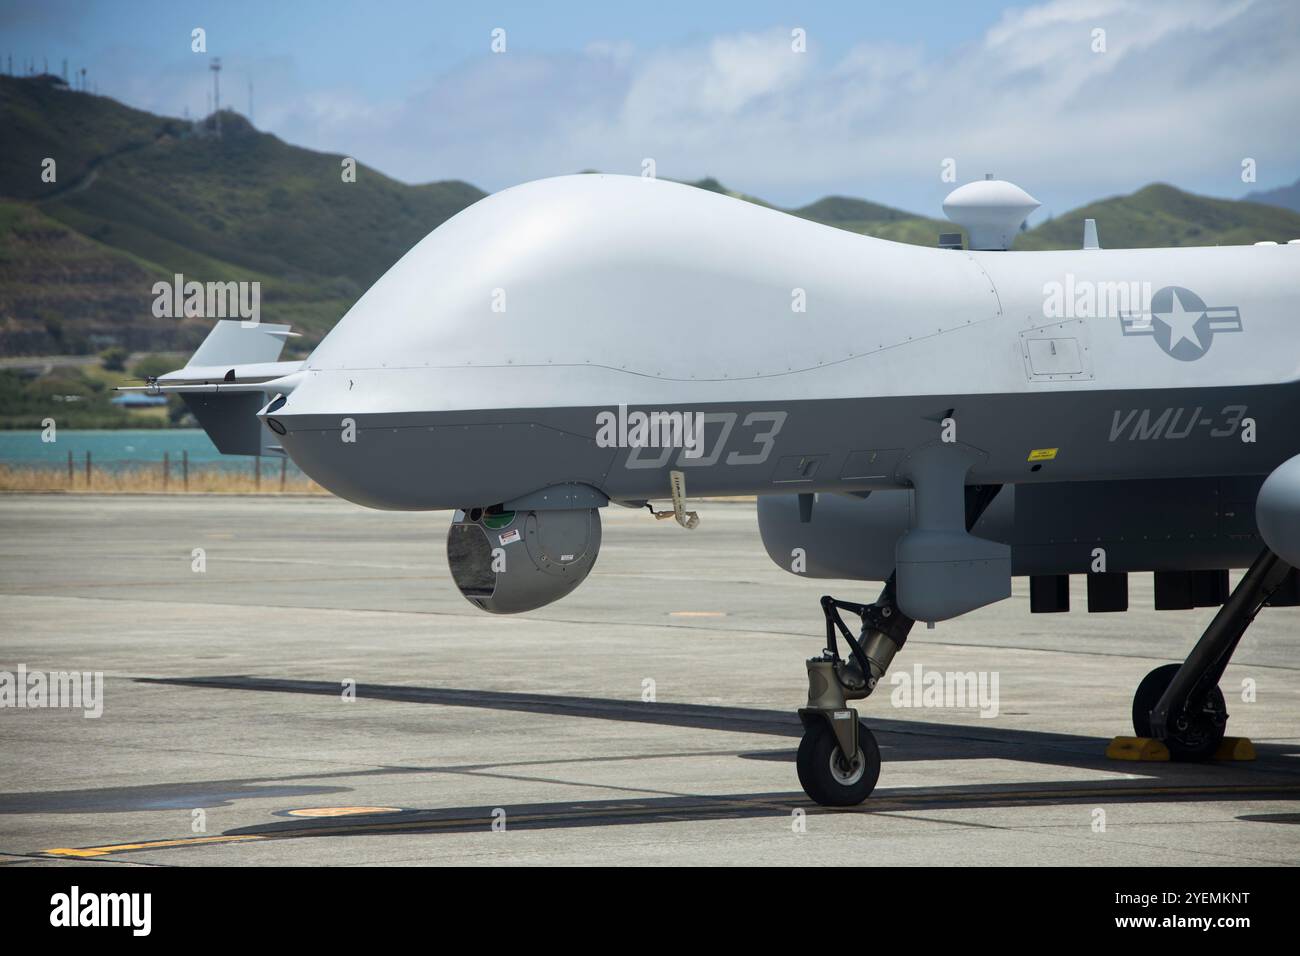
<point>118,448</point>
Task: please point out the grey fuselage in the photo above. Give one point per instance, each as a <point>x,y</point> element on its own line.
<point>484,365</point>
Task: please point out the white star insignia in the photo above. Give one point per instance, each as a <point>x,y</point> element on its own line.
<point>1181,323</point>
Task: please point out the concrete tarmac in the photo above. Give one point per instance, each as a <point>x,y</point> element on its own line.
<point>227,736</point>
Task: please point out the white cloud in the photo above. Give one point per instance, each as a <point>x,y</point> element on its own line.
<point>1184,91</point>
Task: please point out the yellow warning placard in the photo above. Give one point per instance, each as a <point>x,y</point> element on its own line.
<point>1043,454</point>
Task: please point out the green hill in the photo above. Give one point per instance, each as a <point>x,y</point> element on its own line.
<point>62,293</point>
<point>140,197</point>
<point>873,219</point>
<point>853,215</point>
<point>1160,215</point>
<point>159,196</point>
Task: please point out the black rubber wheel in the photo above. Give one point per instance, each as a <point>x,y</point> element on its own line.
<point>1192,736</point>
<point>827,777</point>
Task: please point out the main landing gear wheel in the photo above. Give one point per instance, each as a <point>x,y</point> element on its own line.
<point>830,779</point>
<point>1193,735</point>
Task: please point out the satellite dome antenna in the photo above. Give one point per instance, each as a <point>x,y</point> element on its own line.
<point>991,210</point>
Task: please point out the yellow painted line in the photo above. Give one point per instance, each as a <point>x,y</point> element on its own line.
<point>341,811</point>
<point>150,845</point>
<point>1043,454</point>
<point>410,824</point>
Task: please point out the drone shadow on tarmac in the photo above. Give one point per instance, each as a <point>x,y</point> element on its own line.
<point>1272,777</point>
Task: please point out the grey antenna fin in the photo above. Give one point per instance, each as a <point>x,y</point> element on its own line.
<point>1090,234</point>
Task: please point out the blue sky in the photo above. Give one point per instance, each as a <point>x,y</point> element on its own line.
<point>1182,91</point>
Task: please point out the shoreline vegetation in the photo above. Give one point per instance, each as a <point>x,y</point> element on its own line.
<point>78,393</point>
<point>268,479</point>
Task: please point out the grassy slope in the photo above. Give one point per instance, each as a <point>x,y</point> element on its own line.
<point>76,129</point>
<point>61,292</point>
<point>244,207</point>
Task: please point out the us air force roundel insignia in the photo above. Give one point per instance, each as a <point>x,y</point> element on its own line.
<point>1182,325</point>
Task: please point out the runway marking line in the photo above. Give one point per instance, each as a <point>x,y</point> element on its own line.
<point>151,845</point>
<point>900,802</point>
<point>341,811</point>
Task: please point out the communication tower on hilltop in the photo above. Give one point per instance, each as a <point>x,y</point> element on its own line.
<point>215,67</point>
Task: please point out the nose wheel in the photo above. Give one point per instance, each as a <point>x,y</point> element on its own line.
<point>827,776</point>
<point>839,762</point>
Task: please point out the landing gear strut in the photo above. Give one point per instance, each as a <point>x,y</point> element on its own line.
<point>1181,704</point>
<point>831,728</point>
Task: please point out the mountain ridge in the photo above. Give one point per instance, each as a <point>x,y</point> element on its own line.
<point>1285,197</point>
